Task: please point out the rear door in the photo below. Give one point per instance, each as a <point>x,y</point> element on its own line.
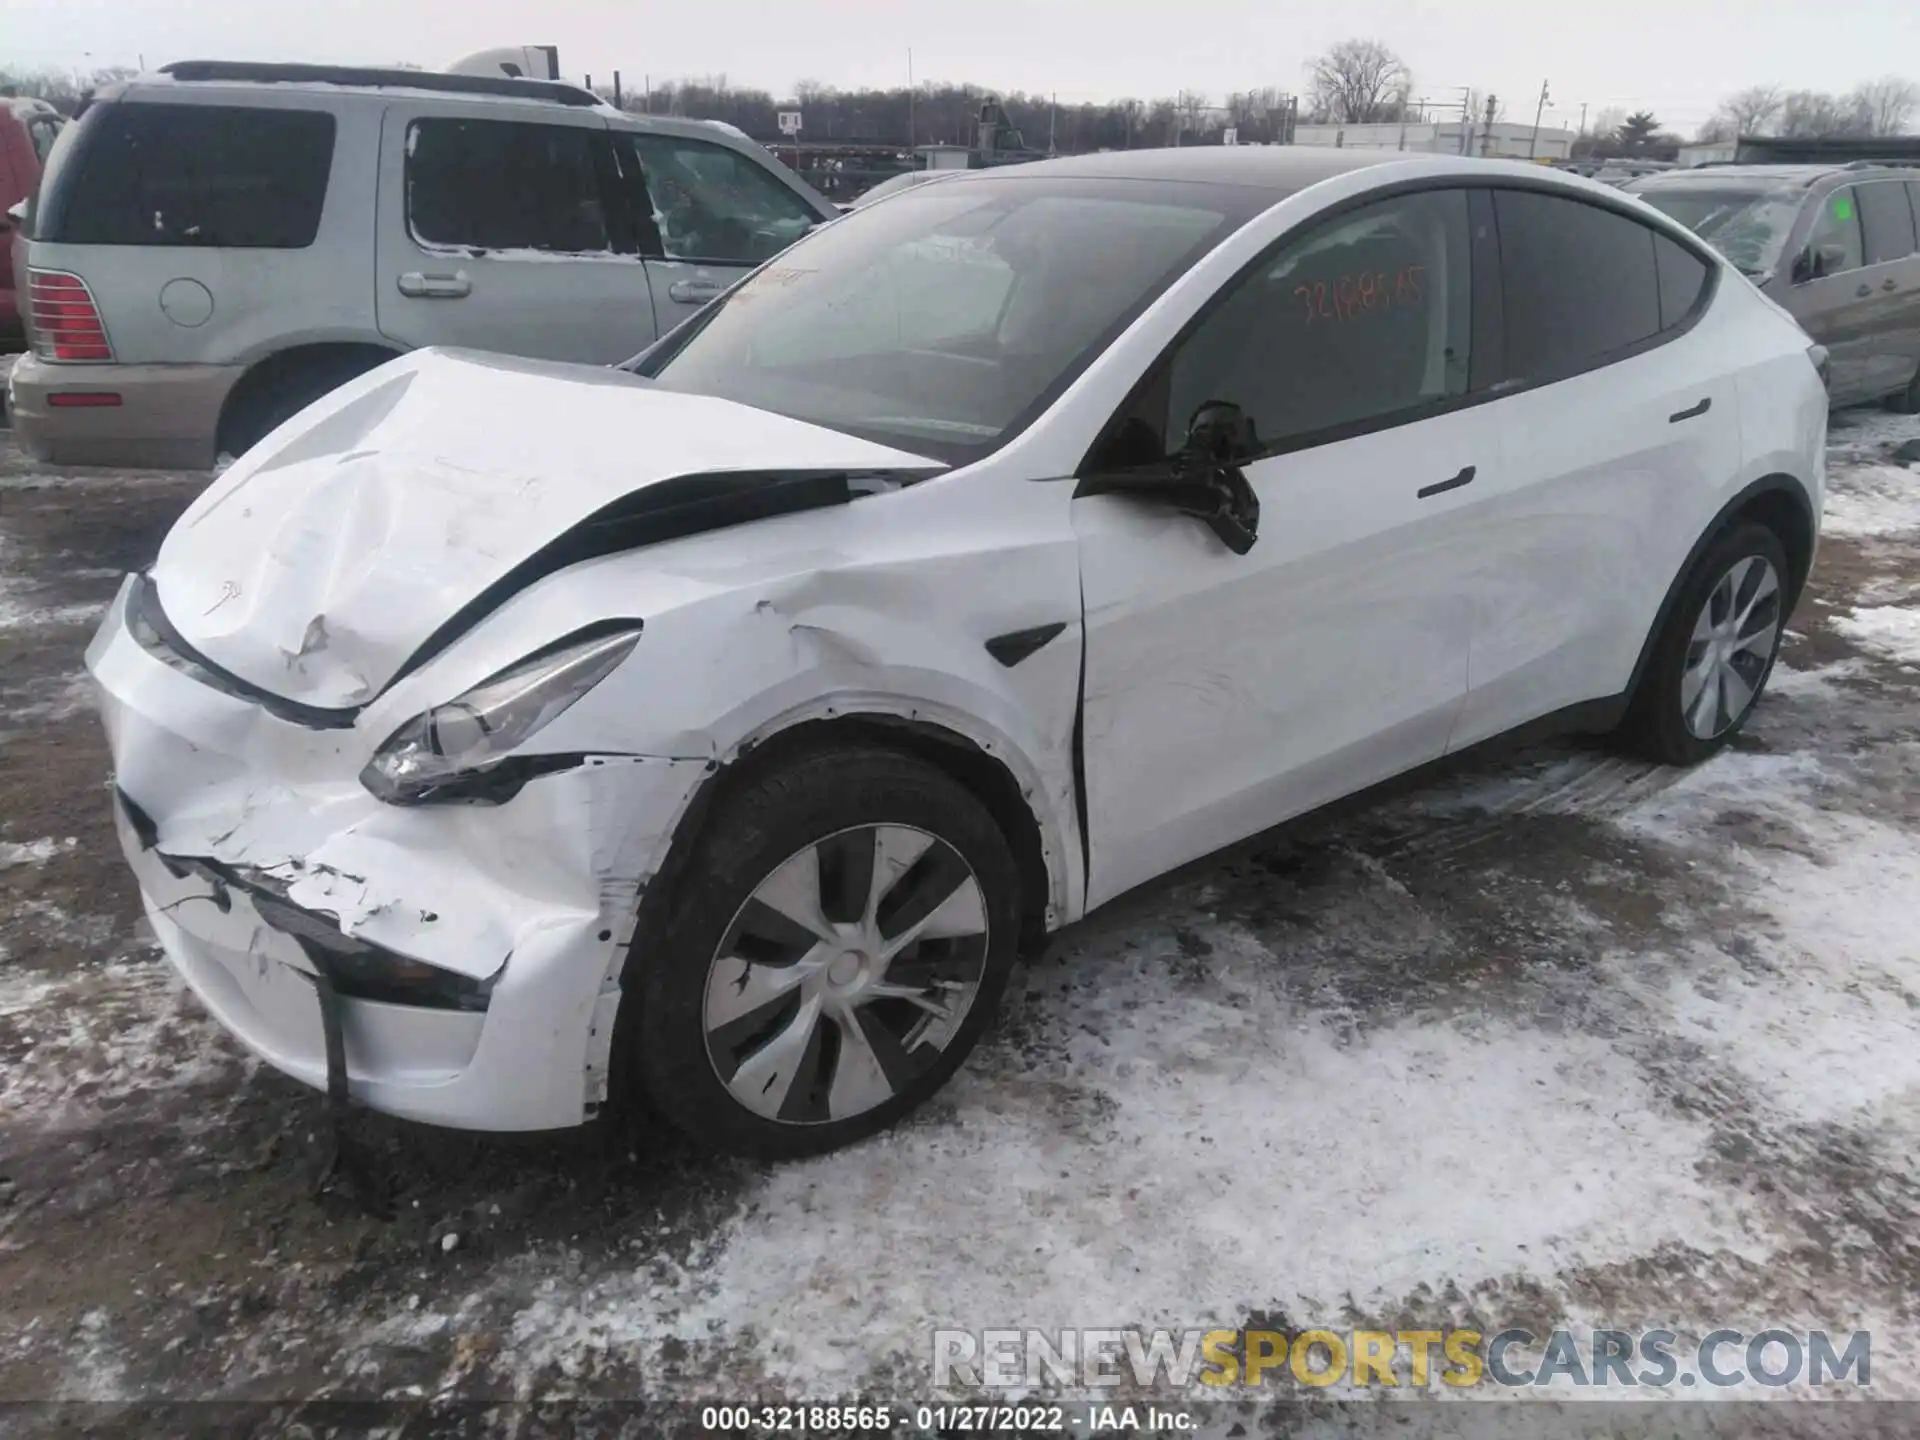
<point>1893,273</point>
<point>507,234</point>
<point>1622,427</point>
<point>716,214</point>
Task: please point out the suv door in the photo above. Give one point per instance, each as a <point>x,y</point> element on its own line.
<point>1226,693</point>
<point>716,214</point>
<point>1621,431</point>
<point>1834,301</point>
<point>1892,272</point>
<point>507,233</point>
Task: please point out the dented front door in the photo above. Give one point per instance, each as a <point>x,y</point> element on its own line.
<point>1226,693</point>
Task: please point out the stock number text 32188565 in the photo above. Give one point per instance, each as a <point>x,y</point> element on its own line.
<point>1350,296</point>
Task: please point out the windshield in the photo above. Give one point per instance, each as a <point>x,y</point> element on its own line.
<point>1749,224</point>
<point>947,318</point>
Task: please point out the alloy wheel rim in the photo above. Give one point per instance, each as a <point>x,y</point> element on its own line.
<point>846,974</point>
<point>1731,647</point>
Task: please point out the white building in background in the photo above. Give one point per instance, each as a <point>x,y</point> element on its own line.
<point>1507,141</point>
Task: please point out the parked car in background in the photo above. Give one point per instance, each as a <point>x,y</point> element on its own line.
<point>503,739</point>
<point>28,129</point>
<point>895,184</point>
<point>214,247</point>
<point>1837,245</point>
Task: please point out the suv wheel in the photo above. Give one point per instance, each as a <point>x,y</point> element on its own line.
<point>1713,657</point>
<point>269,397</point>
<point>842,940</point>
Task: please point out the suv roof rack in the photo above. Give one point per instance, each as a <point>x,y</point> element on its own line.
<point>554,91</point>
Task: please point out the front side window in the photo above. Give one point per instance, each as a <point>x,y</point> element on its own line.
<point>506,185</point>
<point>1366,317</point>
<point>710,202</point>
<point>201,175</point>
<point>945,318</point>
<point>1579,283</point>
<point>1886,220</point>
<point>1836,243</point>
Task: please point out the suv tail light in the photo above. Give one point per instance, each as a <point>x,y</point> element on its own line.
<point>66,322</point>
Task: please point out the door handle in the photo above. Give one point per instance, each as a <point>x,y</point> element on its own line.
<point>1691,411</point>
<point>1889,284</point>
<point>695,292</point>
<point>1864,290</point>
<point>1465,477</point>
<point>435,287</point>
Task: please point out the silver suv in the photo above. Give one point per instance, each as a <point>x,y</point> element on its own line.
<point>214,247</point>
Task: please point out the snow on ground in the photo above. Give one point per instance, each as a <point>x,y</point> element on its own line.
<point>1889,630</point>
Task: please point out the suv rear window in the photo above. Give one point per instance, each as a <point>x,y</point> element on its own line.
<point>236,177</point>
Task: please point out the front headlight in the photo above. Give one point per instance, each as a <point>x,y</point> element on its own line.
<point>437,754</point>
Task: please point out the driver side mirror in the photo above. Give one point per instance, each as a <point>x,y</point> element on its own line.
<point>1817,262</point>
<point>1202,480</point>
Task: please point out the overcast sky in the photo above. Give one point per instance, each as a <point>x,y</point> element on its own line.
<point>1675,57</point>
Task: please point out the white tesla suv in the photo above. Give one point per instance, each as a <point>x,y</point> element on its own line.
<point>500,739</point>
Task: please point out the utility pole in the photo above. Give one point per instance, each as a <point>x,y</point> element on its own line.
<point>1053,116</point>
<point>1583,119</point>
<point>1486,136</point>
<point>912,134</point>
<point>1538,111</point>
<point>616,91</point>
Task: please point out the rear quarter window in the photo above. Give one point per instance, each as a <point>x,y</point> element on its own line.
<point>1683,280</point>
<point>1579,283</point>
<point>219,176</point>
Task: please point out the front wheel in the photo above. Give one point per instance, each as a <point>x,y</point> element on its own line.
<point>843,936</point>
<point>1713,656</point>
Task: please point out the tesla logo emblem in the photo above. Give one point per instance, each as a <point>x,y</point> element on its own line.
<point>228,590</point>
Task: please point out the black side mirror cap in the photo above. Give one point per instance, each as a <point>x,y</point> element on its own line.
<point>1212,491</point>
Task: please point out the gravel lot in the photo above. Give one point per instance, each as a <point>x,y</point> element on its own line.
<point>1563,1039</point>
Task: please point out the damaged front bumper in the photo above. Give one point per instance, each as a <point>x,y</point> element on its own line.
<point>474,951</point>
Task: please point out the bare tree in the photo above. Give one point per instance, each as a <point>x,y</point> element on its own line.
<point>1887,104</point>
<point>1746,112</point>
<point>1812,113</point>
<point>1357,81</point>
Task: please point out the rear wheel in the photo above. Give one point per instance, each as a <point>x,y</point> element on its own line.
<point>1712,658</point>
<point>272,395</point>
<point>843,937</point>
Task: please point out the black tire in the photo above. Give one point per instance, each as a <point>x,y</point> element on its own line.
<point>274,400</point>
<point>1907,401</point>
<point>663,1032</point>
<point>1657,725</point>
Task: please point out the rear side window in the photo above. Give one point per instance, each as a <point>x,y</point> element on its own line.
<point>204,175</point>
<point>1578,283</point>
<point>1887,220</point>
<point>1683,279</point>
<point>507,185</point>
<point>1360,321</point>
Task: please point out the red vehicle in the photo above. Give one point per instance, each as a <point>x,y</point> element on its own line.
<point>27,132</point>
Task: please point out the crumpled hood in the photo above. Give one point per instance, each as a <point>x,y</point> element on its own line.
<point>317,565</point>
